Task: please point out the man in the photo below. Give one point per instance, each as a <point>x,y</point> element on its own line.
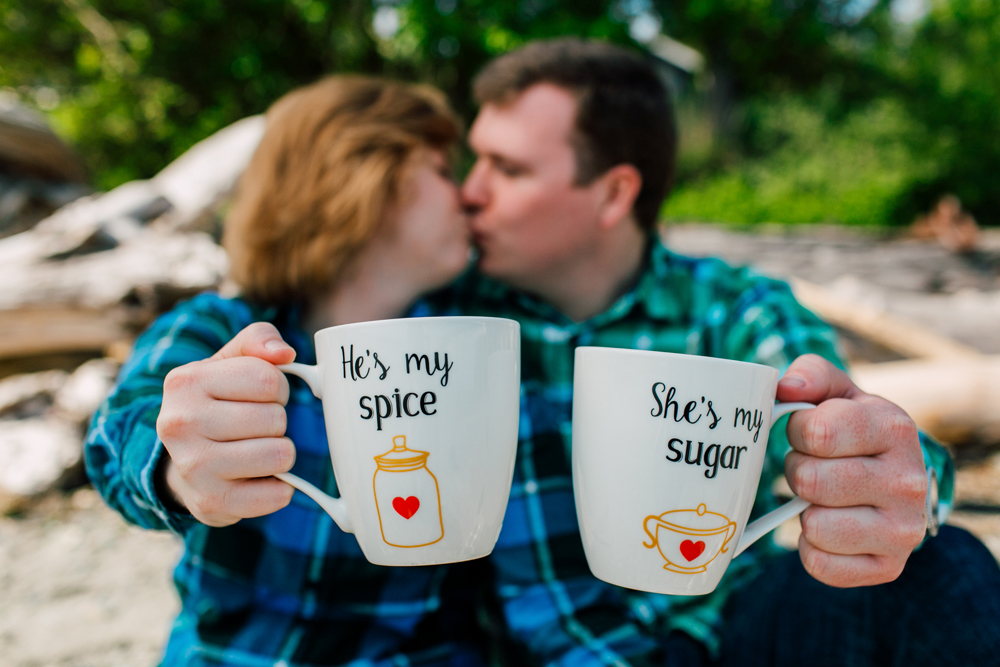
<point>575,150</point>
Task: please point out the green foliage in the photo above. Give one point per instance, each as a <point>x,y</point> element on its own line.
<point>903,116</point>
<point>140,81</point>
<point>137,82</point>
<point>947,74</point>
<point>808,168</point>
<point>806,111</point>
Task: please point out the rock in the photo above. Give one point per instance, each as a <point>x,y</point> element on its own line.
<point>18,392</point>
<point>949,225</point>
<point>82,393</point>
<point>42,421</point>
<point>36,453</point>
<point>29,147</point>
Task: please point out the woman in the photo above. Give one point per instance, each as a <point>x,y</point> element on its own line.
<point>346,213</point>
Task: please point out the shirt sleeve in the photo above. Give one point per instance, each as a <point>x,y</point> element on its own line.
<point>122,448</point>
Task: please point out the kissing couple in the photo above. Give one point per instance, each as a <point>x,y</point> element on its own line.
<point>349,212</point>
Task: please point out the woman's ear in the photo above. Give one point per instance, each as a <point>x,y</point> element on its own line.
<point>621,185</point>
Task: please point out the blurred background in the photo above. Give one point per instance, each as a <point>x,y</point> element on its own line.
<point>854,111</point>
<point>848,146</point>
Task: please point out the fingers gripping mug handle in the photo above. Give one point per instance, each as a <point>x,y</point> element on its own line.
<point>793,507</point>
<point>335,507</point>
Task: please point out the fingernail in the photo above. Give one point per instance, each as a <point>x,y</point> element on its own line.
<point>274,345</point>
<point>793,381</point>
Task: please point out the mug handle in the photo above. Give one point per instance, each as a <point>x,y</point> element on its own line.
<point>335,507</point>
<point>793,507</point>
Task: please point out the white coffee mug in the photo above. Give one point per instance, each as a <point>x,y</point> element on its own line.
<point>667,454</point>
<point>421,416</point>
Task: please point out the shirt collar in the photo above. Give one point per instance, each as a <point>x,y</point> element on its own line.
<point>651,292</point>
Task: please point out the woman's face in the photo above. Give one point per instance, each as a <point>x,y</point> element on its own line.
<point>426,235</point>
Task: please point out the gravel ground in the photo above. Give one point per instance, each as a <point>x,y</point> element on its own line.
<point>80,588</point>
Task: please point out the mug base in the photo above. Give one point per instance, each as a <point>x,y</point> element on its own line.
<point>684,570</point>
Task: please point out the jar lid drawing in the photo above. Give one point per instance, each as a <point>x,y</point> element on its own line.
<point>399,458</point>
<point>407,497</point>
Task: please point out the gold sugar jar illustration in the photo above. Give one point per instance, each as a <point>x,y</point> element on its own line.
<point>407,497</point>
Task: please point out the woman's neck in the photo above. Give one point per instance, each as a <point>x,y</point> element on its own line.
<point>360,295</point>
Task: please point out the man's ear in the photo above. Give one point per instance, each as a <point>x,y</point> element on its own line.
<point>620,186</point>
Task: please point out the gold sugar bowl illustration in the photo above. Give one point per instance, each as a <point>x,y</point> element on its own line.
<point>407,497</point>
<point>688,539</point>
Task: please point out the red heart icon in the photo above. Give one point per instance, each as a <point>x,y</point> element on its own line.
<point>407,507</point>
<point>689,549</point>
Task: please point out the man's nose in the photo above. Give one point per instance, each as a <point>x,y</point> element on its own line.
<point>475,192</point>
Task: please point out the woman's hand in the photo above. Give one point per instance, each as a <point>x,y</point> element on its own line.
<point>222,423</point>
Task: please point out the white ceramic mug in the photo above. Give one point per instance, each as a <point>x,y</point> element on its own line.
<point>421,416</point>
<point>667,454</point>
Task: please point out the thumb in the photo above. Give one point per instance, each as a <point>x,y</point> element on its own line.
<point>261,340</point>
<point>813,379</point>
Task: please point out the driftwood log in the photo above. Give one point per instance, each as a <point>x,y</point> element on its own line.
<point>89,301</point>
<point>951,390</point>
<point>956,400</point>
<point>895,333</point>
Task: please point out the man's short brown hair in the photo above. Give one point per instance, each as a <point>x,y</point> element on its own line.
<point>623,114</point>
<point>328,169</point>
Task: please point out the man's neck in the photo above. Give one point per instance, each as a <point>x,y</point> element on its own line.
<point>589,285</point>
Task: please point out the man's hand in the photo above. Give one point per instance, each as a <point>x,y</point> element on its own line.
<point>222,423</point>
<point>857,458</point>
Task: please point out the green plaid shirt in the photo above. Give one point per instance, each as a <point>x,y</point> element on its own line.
<point>553,606</point>
<point>292,589</point>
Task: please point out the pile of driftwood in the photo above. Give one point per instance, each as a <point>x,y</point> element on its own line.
<point>84,281</point>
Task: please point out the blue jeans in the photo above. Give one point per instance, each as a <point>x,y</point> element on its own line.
<point>944,609</point>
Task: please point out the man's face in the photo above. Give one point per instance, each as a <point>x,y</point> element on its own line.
<point>528,218</point>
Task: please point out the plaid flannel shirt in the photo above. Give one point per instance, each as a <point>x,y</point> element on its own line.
<point>292,589</point>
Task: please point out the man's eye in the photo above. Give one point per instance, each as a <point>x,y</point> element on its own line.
<point>510,170</point>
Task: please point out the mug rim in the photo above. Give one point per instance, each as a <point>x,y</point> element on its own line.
<point>417,320</point>
<point>588,350</point>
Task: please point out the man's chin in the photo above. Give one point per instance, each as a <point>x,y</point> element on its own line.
<point>490,266</point>
<point>486,264</point>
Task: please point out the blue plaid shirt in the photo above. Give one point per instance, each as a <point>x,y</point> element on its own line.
<point>292,589</point>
